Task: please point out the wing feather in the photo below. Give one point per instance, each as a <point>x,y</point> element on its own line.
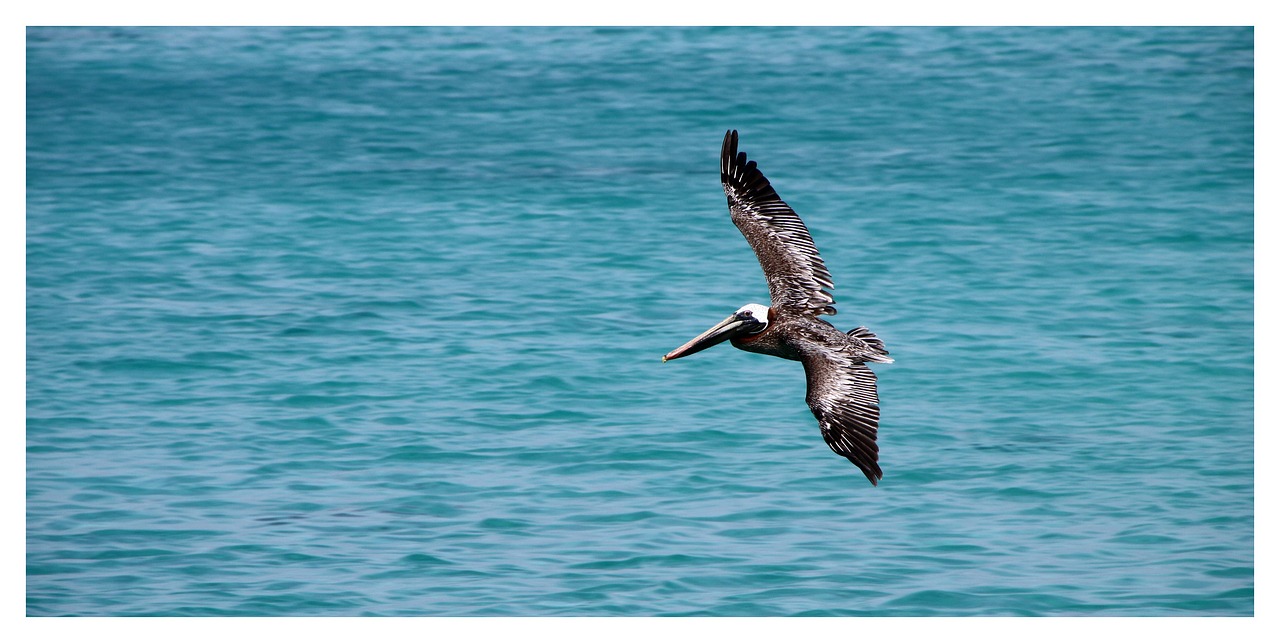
<point>842,395</point>
<point>797,277</point>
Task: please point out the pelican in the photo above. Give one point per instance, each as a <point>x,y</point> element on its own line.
<point>841,388</point>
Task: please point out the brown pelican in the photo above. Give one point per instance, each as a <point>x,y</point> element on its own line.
<point>841,389</point>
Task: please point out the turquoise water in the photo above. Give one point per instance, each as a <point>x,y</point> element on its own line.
<point>368,322</point>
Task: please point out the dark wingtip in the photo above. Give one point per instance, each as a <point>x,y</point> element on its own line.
<point>728,150</point>
<point>871,471</point>
<point>741,173</point>
<point>874,476</point>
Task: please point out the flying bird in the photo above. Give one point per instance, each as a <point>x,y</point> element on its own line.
<point>841,388</point>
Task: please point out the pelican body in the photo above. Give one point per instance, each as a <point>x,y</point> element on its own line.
<point>841,388</point>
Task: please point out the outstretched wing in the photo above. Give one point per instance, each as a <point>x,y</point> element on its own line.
<point>796,275</point>
<point>842,395</point>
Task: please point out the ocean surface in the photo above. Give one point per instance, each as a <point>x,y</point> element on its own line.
<point>368,322</point>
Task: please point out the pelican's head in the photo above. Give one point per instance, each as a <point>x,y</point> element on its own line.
<point>751,319</point>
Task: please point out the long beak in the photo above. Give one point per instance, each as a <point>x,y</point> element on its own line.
<point>714,335</point>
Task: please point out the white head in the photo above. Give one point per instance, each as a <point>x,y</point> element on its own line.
<point>754,312</point>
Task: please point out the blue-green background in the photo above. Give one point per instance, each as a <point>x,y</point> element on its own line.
<point>368,321</point>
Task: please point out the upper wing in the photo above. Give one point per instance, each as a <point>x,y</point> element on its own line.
<point>842,395</point>
<point>796,275</point>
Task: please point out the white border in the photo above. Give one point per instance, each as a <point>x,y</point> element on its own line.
<point>650,12</point>
<point>658,12</point>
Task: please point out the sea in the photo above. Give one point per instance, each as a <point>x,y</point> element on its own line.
<point>369,322</point>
